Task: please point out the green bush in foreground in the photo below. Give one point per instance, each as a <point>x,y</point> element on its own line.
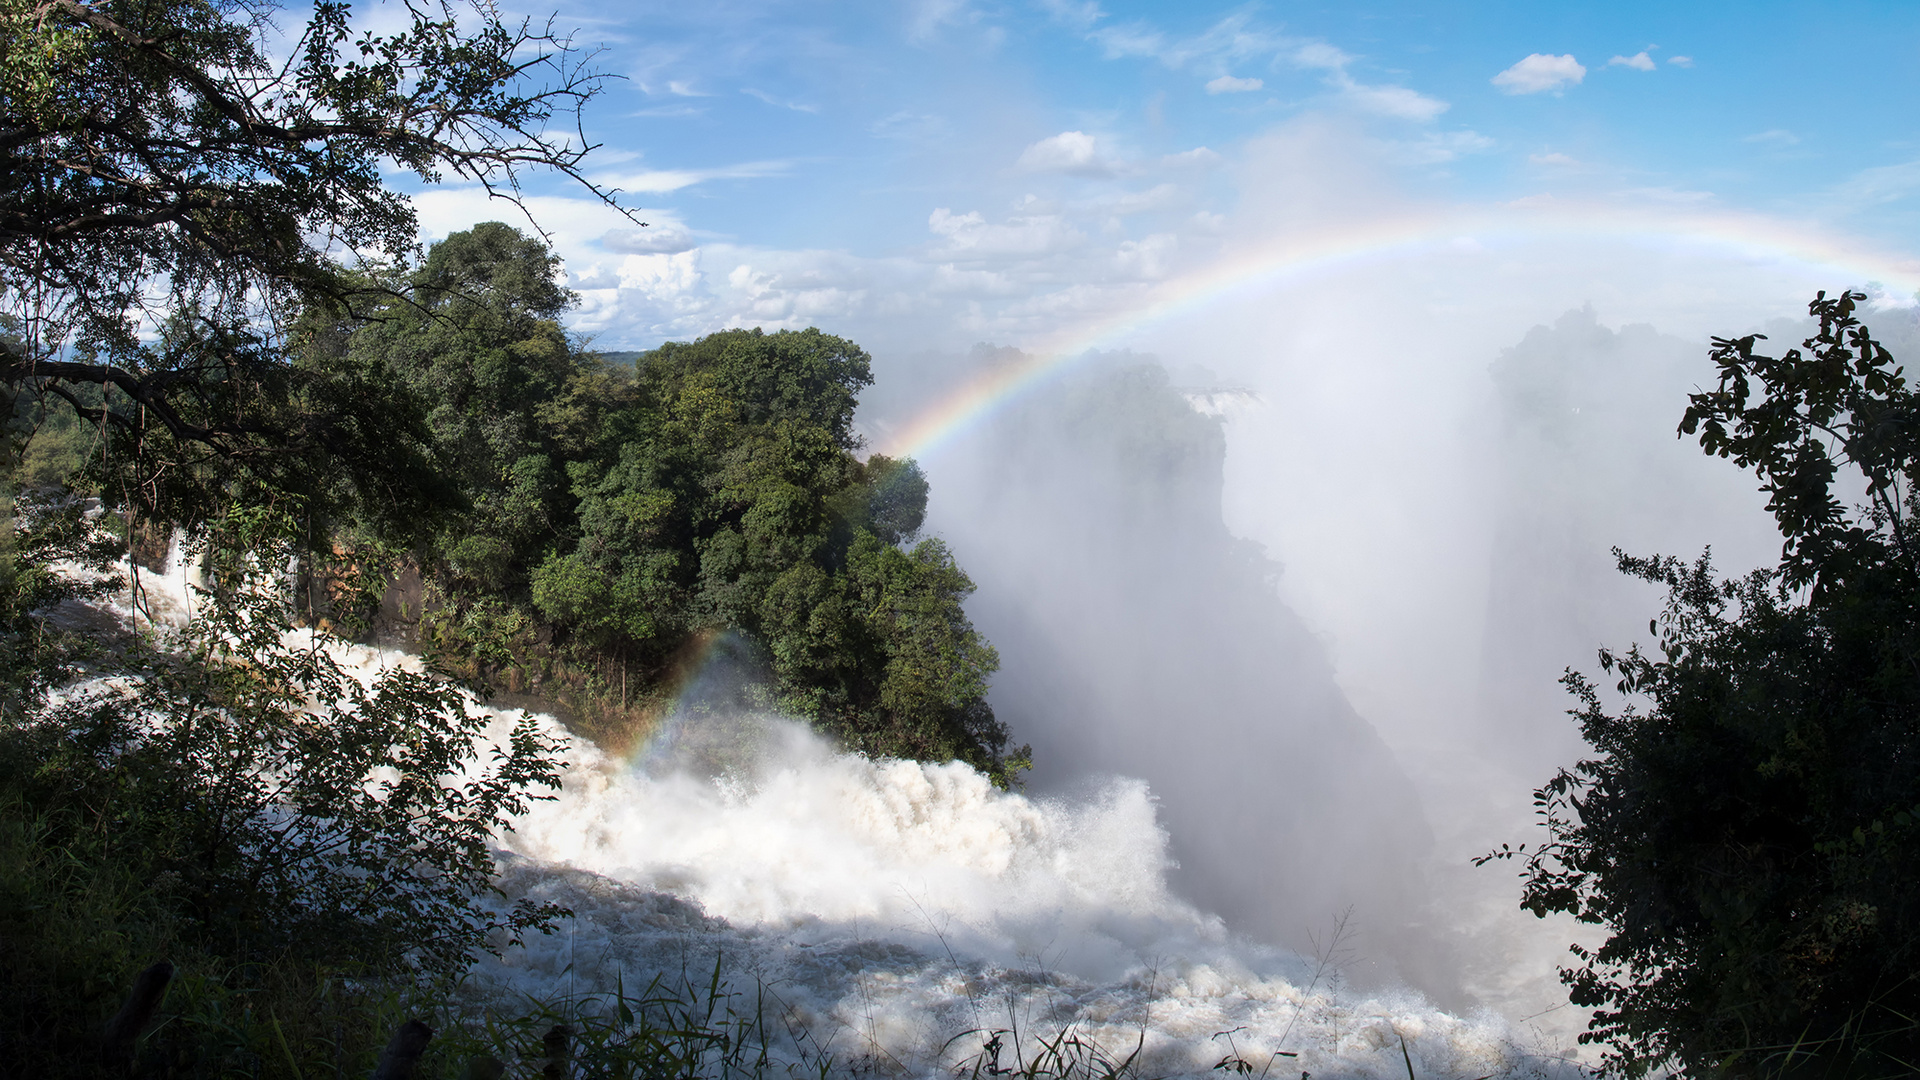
<point>229,797</point>
<point>1748,832</point>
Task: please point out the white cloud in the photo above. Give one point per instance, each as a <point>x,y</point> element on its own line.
<point>665,238</point>
<point>799,289</point>
<point>1028,236</point>
<point>1227,84</point>
<point>682,88</point>
<point>1394,101</point>
<point>1397,102</point>
<point>1639,61</point>
<point>950,280</point>
<point>945,222</point>
<point>1079,14</point>
<point>1234,38</point>
<point>1199,157</point>
<point>1074,152</point>
<point>1668,196</point>
<point>1145,259</point>
<point>1680,61</point>
<point>670,110</point>
<point>1880,298</point>
<point>662,276</point>
<point>661,181</point>
<point>1555,159</point>
<point>1136,40</point>
<point>1540,72</point>
<point>777,103</point>
<point>1135,202</point>
<point>911,126</point>
<point>1878,185</point>
<point>1319,54</point>
<point>1440,147</point>
<point>1773,137</point>
<point>930,15</point>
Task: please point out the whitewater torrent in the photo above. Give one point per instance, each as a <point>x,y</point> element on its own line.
<point>896,914</point>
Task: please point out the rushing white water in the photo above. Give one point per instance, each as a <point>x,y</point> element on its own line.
<point>893,906</point>
<point>898,913</point>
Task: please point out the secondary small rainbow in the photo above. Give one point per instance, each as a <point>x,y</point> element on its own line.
<point>1747,237</point>
<point>691,674</point>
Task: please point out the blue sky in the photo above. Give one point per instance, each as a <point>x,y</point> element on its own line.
<point>946,170</point>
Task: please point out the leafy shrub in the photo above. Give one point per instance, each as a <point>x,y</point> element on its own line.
<point>1748,832</point>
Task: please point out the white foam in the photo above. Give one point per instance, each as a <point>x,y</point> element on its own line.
<point>892,906</point>
<point>886,908</point>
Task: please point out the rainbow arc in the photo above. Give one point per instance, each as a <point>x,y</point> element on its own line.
<point>1297,258</point>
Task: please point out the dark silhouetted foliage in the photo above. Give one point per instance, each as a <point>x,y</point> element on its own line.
<point>1748,831</point>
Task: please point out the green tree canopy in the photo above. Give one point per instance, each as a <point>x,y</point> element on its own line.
<point>1748,832</point>
<point>725,494</point>
<point>173,193</point>
<point>474,338</point>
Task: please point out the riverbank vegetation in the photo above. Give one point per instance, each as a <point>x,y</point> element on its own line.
<point>1748,830</point>
<point>185,354</point>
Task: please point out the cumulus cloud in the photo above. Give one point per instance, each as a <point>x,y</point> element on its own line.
<point>662,277</point>
<point>1026,236</point>
<point>1639,61</point>
<point>1541,72</point>
<point>1227,84</point>
<point>799,289</point>
<point>1146,259</point>
<point>1680,61</point>
<point>645,298</point>
<point>1073,152</point>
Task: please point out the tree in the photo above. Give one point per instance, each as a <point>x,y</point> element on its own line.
<point>476,339</point>
<point>1749,831</point>
<point>722,492</point>
<point>177,185</point>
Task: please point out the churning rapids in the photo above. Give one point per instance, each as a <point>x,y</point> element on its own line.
<point>900,913</point>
